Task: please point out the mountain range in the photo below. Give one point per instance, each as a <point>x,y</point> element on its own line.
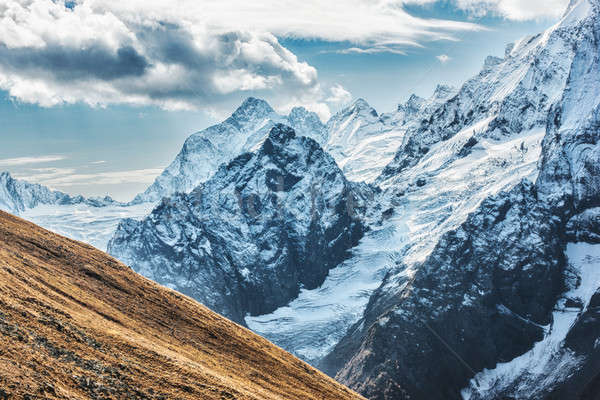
<point>448,249</point>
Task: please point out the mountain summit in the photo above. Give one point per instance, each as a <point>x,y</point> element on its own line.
<point>264,226</point>
<point>204,151</point>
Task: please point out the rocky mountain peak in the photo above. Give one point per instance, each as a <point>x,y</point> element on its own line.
<point>361,106</point>
<point>492,61</point>
<point>252,108</point>
<point>414,102</point>
<point>302,113</point>
<point>307,123</point>
<point>245,241</point>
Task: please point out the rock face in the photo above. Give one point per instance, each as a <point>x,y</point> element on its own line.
<point>244,131</point>
<point>246,241</point>
<point>17,196</point>
<point>504,306</point>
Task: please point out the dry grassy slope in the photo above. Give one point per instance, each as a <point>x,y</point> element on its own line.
<point>76,324</point>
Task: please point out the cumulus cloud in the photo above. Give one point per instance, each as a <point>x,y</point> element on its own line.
<point>443,58</point>
<point>339,95</point>
<point>190,54</point>
<point>13,162</point>
<point>518,10</point>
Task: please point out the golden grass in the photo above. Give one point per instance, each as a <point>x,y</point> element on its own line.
<point>77,324</point>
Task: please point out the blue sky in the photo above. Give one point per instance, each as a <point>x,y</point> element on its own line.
<point>110,130</point>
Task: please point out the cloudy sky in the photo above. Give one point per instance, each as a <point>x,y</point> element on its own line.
<point>97,96</point>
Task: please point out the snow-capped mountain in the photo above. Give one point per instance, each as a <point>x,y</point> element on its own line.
<point>247,240</point>
<point>92,220</point>
<point>16,196</point>
<point>363,142</point>
<point>460,162</point>
<point>458,171</point>
<point>475,263</point>
<point>204,151</point>
<point>504,305</point>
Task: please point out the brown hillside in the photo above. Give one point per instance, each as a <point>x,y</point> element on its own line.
<point>76,324</point>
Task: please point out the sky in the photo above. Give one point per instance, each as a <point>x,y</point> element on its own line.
<point>97,96</point>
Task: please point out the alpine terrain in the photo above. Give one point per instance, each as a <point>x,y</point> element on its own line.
<point>92,220</point>
<point>247,240</point>
<point>474,265</point>
<point>77,324</point>
<point>449,249</point>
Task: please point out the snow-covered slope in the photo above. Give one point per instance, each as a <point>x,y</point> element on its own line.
<point>364,142</point>
<point>88,224</point>
<point>204,151</point>
<point>514,93</point>
<point>91,220</point>
<point>247,240</point>
<point>472,144</point>
<point>17,196</point>
<point>504,304</point>
<point>406,222</point>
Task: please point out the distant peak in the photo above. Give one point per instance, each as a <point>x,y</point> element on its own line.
<point>299,111</point>
<point>252,105</point>
<point>491,61</point>
<point>299,114</point>
<point>5,176</point>
<point>414,102</point>
<point>361,106</point>
<point>360,103</point>
<point>508,50</point>
<point>443,91</point>
<point>578,10</point>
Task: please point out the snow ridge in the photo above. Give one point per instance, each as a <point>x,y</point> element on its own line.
<point>204,151</point>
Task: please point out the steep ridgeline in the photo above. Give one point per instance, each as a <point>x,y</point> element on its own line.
<point>511,95</point>
<point>244,131</point>
<point>507,304</point>
<point>364,142</point>
<point>248,239</point>
<point>361,141</point>
<point>77,324</point>
<point>16,196</point>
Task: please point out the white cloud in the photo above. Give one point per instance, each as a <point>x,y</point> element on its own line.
<point>44,175</point>
<point>339,95</point>
<point>370,50</point>
<point>190,54</point>
<point>518,10</point>
<point>65,177</point>
<point>11,162</point>
<point>443,58</point>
